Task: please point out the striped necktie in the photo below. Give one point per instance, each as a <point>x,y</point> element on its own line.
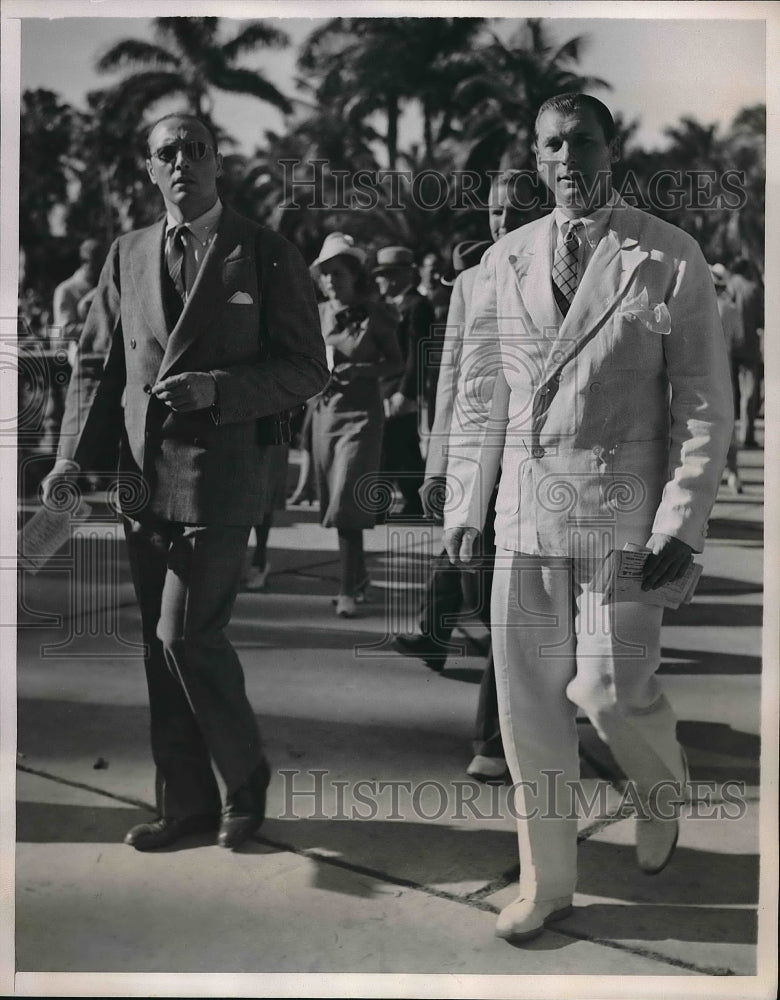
<point>176,260</point>
<point>565,269</point>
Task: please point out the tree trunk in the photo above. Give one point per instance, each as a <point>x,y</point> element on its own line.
<point>428,132</point>
<point>392,132</point>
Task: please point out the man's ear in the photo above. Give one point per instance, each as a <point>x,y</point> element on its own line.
<point>150,170</point>
<point>614,149</point>
<point>218,157</point>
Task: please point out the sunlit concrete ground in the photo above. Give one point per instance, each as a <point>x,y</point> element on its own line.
<point>412,887</point>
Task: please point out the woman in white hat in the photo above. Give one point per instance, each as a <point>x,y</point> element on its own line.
<point>347,421</point>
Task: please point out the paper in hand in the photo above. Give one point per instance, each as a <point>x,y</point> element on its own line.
<point>45,533</point>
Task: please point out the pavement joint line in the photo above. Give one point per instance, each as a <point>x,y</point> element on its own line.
<point>478,904</point>
<point>649,953</point>
<point>471,900</point>
<point>128,799</point>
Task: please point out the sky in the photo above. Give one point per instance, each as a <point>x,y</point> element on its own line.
<point>660,70</point>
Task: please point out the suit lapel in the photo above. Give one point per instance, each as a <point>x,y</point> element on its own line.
<point>605,280</point>
<point>532,272</point>
<point>146,265</point>
<point>203,296</point>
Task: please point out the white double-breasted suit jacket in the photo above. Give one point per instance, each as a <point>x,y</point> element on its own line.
<point>615,419</point>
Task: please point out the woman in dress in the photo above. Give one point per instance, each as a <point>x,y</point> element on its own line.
<point>360,337</point>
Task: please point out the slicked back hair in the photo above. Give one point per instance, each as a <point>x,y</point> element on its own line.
<point>567,104</point>
<point>187,117</point>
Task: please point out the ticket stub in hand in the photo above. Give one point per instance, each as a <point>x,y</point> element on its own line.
<point>45,533</point>
<point>619,578</point>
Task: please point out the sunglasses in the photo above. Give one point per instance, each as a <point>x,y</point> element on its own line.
<point>193,151</point>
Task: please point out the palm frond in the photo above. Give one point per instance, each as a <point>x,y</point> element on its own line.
<point>245,81</point>
<point>143,89</point>
<point>134,52</point>
<point>256,35</point>
<point>191,35</point>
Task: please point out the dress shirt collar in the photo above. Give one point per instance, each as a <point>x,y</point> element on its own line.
<point>203,227</point>
<point>594,225</point>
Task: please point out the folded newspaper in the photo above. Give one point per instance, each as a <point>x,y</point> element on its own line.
<point>45,533</point>
<point>619,578</point>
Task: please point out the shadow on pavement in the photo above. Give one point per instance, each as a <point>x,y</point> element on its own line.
<point>660,922</point>
<point>693,878</point>
<point>49,823</point>
<point>730,615</point>
<point>701,740</point>
<point>703,661</point>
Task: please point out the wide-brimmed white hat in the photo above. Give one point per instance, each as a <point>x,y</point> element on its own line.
<point>719,274</point>
<point>339,245</point>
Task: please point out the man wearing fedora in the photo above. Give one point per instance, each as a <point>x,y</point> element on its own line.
<point>207,328</point>
<point>396,277</point>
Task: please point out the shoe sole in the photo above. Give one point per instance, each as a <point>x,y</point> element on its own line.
<point>490,779</point>
<point>556,915</point>
<point>667,859</point>
<point>252,835</point>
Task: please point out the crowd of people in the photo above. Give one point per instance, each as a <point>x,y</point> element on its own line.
<point>504,372</point>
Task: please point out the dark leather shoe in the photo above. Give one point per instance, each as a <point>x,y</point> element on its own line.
<point>244,811</point>
<point>167,830</point>
<point>422,648</point>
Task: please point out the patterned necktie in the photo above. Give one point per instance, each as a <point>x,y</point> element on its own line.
<point>176,261</point>
<point>564,272</point>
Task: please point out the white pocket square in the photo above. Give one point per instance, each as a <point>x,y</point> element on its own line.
<point>655,318</point>
<point>241,299</point>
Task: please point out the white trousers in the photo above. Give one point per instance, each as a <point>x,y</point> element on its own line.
<point>556,647</point>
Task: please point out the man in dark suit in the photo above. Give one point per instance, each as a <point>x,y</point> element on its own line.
<point>207,328</point>
<point>396,277</point>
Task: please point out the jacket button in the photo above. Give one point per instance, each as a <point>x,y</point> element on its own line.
<point>595,387</point>
<point>148,389</point>
<point>537,451</point>
<point>132,344</point>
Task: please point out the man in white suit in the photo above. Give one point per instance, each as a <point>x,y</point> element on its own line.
<point>594,371</point>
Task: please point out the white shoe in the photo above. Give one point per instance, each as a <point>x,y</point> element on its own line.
<point>526,918</point>
<point>656,840</point>
<point>254,578</point>
<point>656,837</point>
<point>345,606</point>
<point>734,483</point>
<point>487,768</point>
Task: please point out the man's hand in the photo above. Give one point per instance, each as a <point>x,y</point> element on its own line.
<point>669,560</point>
<point>459,543</point>
<point>187,392</point>
<point>432,494</point>
<point>64,471</point>
<point>398,405</point>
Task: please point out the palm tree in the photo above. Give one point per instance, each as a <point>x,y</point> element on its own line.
<point>379,63</point>
<point>500,100</point>
<point>187,57</point>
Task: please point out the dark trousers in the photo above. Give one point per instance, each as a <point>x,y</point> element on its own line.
<point>402,460</point>
<point>451,592</point>
<point>186,578</point>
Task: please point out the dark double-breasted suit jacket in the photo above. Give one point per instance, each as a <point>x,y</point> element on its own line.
<point>250,320</point>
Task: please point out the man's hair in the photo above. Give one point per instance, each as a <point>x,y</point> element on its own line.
<point>567,104</point>
<point>187,117</point>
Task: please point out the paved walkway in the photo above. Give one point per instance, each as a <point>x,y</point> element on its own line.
<point>403,877</point>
